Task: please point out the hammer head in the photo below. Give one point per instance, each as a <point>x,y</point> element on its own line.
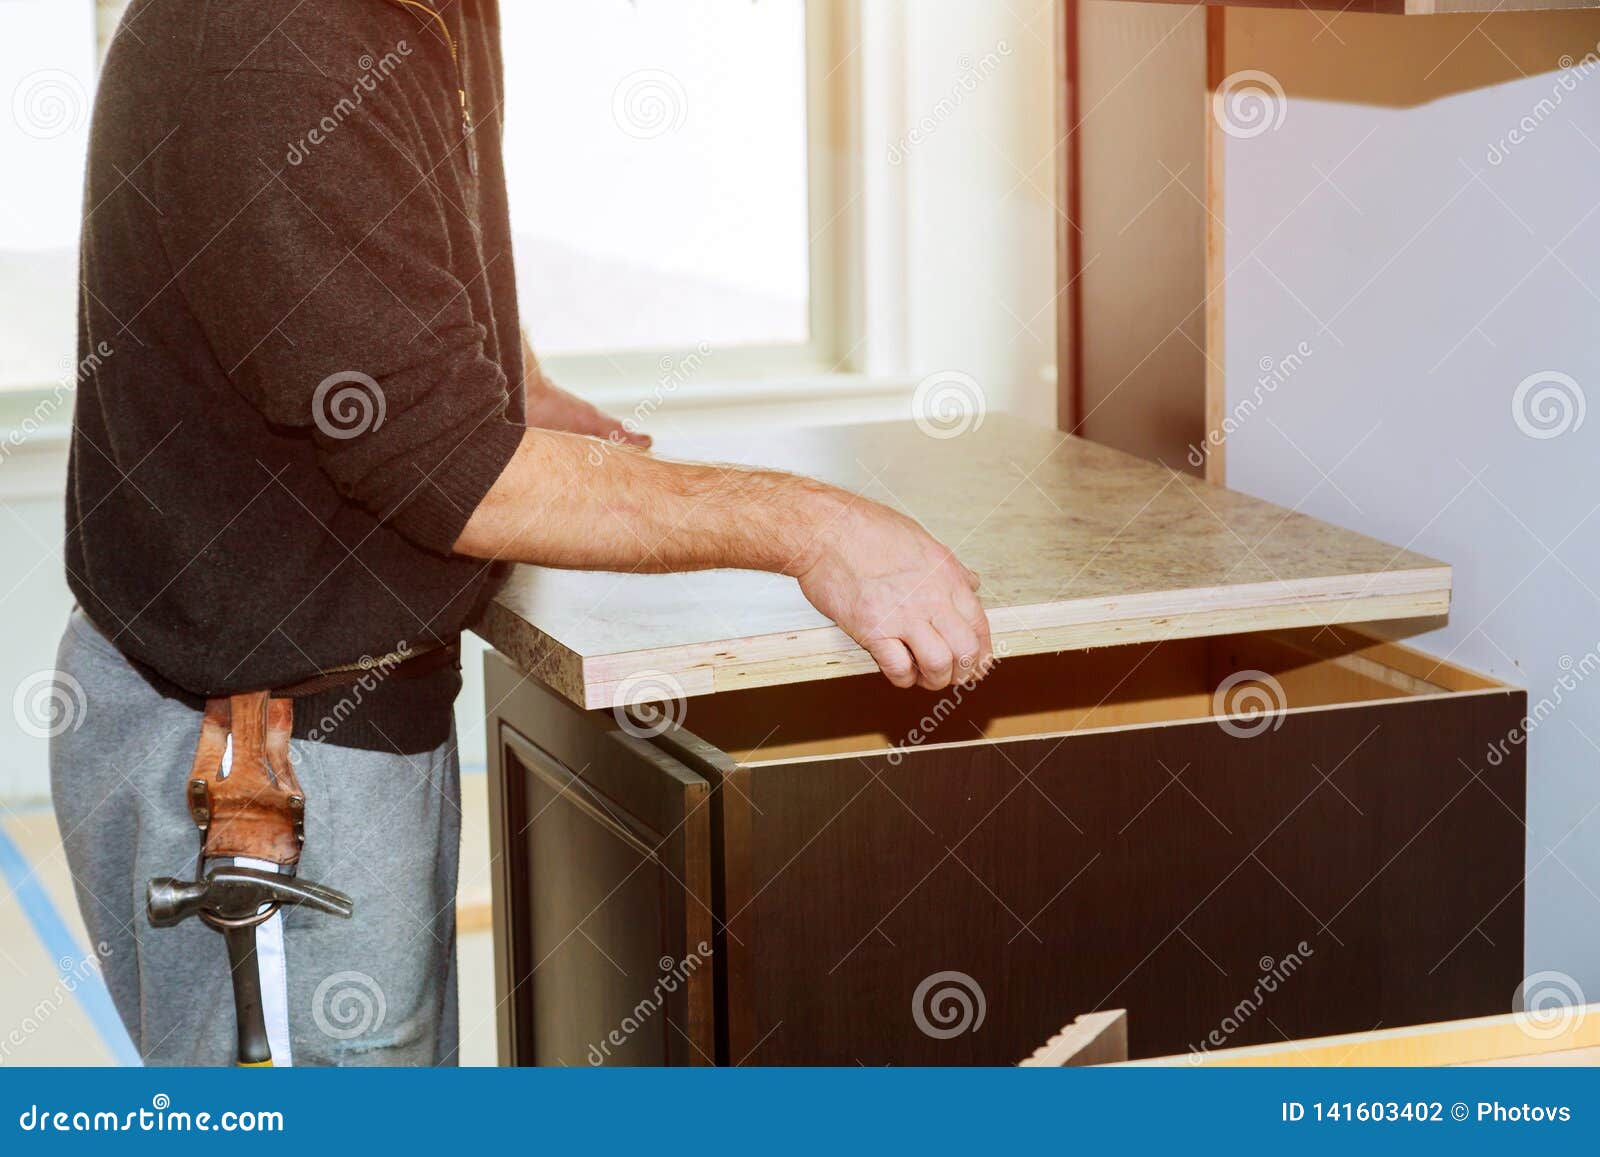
<point>231,893</point>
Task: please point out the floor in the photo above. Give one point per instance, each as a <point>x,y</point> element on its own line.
<point>55,1011</point>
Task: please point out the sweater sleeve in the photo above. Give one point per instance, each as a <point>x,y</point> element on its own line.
<point>311,242</point>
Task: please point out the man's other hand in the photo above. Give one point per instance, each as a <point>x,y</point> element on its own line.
<point>552,408</point>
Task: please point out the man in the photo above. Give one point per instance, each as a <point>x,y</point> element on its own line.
<point>314,429</point>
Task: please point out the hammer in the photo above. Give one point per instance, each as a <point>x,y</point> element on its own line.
<point>234,900</point>
<point>246,803</point>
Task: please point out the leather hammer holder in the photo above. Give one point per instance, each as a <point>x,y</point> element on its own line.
<point>258,808</point>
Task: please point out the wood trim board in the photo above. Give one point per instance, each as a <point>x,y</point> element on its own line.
<point>1216,391</point>
<point>1095,1038</point>
<point>1069,236</point>
<point>1399,7</point>
<point>1565,1035</point>
<point>1079,546</point>
<point>1130,285</point>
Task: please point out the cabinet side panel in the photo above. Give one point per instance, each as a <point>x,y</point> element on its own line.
<point>613,922</point>
<point>602,847</point>
<point>508,815</point>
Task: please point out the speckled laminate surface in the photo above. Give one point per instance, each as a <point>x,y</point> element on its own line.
<point>1078,545</point>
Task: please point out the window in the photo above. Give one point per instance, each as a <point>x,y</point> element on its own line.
<point>669,165</point>
<point>657,166</point>
<point>47,68</point>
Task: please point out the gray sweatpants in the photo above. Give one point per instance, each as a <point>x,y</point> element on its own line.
<point>378,989</point>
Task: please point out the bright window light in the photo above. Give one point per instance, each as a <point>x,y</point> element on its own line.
<point>657,162</point>
<point>47,72</point>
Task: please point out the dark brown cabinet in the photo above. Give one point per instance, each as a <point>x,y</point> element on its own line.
<point>1239,839</point>
<point>603,890</point>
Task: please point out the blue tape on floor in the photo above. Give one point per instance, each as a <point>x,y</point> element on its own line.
<point>85,983</point>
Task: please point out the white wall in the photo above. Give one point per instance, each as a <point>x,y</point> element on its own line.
<point>33,605</point>
<point>980,196</point>
<point>1430,275</point>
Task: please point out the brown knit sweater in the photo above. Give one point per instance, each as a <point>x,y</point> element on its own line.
<point>302,355</point>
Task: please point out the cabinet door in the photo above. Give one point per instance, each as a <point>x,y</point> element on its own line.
<point>603,891</point>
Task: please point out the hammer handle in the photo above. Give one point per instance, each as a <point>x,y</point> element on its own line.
<point>254,1050</point>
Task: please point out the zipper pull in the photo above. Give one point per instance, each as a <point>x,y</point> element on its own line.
<point>467,129</point>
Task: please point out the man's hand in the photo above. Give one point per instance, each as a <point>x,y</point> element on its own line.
<point>901,594</point>
<point>549,407</point>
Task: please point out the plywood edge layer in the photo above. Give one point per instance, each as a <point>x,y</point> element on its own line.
<point>829,653</point>
<point>533,652</point>
<point>1095,1038</point>
<point>1454,1042</point>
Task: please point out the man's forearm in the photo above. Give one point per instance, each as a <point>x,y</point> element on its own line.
<point>570,501</point>
<point>560,503</point>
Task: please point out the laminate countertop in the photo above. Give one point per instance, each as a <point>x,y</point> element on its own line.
<point>1078,546</point>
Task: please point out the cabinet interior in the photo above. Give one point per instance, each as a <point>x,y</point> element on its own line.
<point>1112,687</point>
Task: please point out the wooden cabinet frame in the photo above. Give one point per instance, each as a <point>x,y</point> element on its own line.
<point>820,867</point>
<point>645,808</point>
